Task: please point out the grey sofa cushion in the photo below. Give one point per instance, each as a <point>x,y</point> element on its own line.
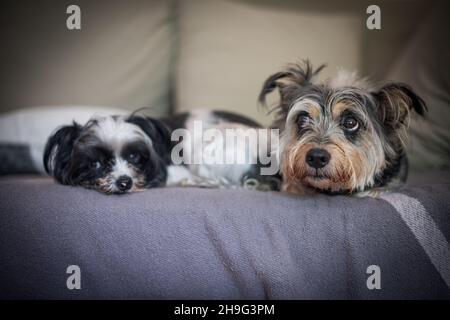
<point>199,243</point>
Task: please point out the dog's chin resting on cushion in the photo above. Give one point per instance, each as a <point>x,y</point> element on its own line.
<point>340,136</point>
<point>114,154</point>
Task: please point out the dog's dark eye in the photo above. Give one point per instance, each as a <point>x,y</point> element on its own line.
<point>303,119</point>
<point>96,165</point>
<point>350,124</point>
<point>134,157</point>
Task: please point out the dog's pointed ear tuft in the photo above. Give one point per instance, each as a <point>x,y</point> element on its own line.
<point>396,101</point>
<point>271,84</point>
<point>58,150</point>
<point>157,131</point>
<point>294,75</point>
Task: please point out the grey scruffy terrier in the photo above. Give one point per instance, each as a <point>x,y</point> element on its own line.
<point>340,136</point>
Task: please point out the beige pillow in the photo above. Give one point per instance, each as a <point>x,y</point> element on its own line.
<point>228,48</point>
<point>119,58</point>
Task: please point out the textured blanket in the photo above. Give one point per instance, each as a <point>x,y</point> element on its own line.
<point>192,243</point>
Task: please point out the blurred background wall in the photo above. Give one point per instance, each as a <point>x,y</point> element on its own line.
<point>177,55</point>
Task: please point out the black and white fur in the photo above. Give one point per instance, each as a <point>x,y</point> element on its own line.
<point>113,154</point>
<point>247,175</point>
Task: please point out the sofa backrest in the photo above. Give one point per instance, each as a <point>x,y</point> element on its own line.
<point>119,58</point>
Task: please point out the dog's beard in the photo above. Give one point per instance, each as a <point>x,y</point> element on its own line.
<point>339,176</point>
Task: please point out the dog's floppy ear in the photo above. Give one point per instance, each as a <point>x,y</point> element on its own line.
<point>295,76</point>
<point>58,150</point>
<point>395,102</point>
<point>157,131</point>
<point>271,84</point>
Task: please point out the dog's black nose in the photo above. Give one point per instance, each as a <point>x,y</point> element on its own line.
<point>124,183</point>
<point>317,158</point>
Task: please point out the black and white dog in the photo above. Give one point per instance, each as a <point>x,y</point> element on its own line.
<point>114,154</point>
<point>120,154</point>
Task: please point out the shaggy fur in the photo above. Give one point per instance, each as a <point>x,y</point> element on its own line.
<point>110,154</point>
<point>341,136</point>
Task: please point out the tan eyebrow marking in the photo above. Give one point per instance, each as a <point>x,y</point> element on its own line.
<point>314,111</point>
<point>338,108</point>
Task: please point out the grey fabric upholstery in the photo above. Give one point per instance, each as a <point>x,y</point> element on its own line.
<point>220,244</point>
